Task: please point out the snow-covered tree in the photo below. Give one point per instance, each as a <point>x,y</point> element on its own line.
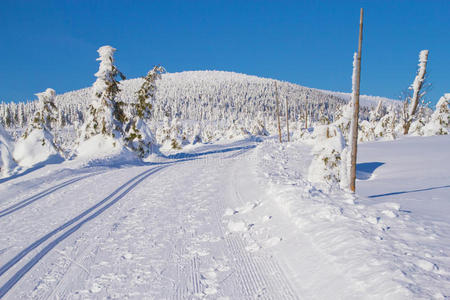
<point>343,119</point>
<point>326,165</point>
<point>7,163</point>
<point>106,114</point>
<point>46,115</point>
<point>367,127</point>
<point>440,119</point>
<point>38,142</point>
<point>385,128</point>
<point>138,135</point>
<point>259,125</point>
<point>417,92</point>
<point>197,134</point>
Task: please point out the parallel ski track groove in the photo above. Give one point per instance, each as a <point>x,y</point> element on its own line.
<point>40,195</point>
<point>128,186</point>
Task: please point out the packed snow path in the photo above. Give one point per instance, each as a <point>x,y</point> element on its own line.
<point>141,231</point>
<point>230,221</point>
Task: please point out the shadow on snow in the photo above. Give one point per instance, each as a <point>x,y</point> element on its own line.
<point>412,191</point>
<point>364,171</point>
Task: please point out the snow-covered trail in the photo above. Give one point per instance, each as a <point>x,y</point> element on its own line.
<point>233,221</point>
<point>141,231</point>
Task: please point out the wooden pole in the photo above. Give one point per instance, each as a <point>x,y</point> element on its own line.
<point>354,128</point>
<point>278,111</point>
<point>287,120</point>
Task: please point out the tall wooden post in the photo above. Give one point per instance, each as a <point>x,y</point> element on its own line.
<point>354,128</point>
<point>278,111</point>
<point>287,120</point>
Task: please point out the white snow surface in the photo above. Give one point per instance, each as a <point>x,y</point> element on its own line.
<point>7,163</point>
<point>235,220</point>
<point>37,148</point>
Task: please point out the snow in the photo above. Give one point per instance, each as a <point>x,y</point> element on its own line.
<point>236,220</point>
<point>36,148</point>
<point>7,163</point>
<point>103,149</point>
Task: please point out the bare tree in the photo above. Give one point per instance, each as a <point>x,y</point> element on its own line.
<point>418,92</point>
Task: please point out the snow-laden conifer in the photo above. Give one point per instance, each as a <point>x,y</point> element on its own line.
<point>326,165</point>
<point>440,119</point>
<point>37,144</point>
<point>259,125</point>
<point>106,114</point>
<point>385,128</point>
<point>45,117</point>
<point>138,135</point>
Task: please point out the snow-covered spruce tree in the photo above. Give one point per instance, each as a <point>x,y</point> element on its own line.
<point>197,134</point>
<point>106,114</point>
<point>259,125</point>
<point>326,165</point>
<point>420,120</point>
<point>45,117</point>
<point>343,119</point>
<point>440,119</point>
<point>417,92</point>
<point>385,128</point>
<point>138,135</point>
<point>176,134</point>
<point>163,132</point>
<point>367,127</point>
<point>37,143</point>
<point>7,163</point>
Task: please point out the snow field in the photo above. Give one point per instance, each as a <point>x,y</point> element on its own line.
<point>233,220</point>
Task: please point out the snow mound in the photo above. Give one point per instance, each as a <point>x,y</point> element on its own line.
<point>37,147</point>
<point>7,162</point>
<point>103,150</point>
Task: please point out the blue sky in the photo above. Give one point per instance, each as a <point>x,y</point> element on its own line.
<point>53,43</point>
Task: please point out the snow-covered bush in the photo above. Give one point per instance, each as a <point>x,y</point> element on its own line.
<point>440,119</point>
<point>385,127</point>
<point>328,144</point>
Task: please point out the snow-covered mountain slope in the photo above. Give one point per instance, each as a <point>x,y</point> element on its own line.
<point>203,96</point>
<point>214,85</point>
<point>365,100</point>
<point>236,220</point>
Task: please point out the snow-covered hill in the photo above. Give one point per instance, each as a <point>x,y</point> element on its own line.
<point>204,95</point>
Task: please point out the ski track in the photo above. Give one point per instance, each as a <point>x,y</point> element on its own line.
<point>77,222</point>
<point>161,241</point>
<point>24,203</point>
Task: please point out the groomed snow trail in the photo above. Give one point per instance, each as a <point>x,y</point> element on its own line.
<point>234,220</point>
<point>146,232</point>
